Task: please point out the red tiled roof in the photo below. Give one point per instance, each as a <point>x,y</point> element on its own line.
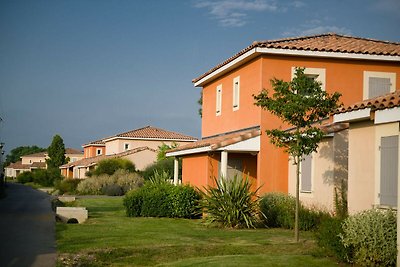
<point>73,151</point>
<point>95,143</point>
<point>329,42</point>
<point>381,102</point>
<point>150,132</point>
<point>19,166</point>
<point>39,165</point>
<point>93,160</point>
<point>216,142</point>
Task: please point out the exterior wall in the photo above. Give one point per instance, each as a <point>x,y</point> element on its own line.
<point>364,175</point>
<point>91,151</point>
<point>142,159</point>
<point>247,115</point>
<point>329,170</point>
<point>30,160</point>
<point>74,157</point>
<point>199,170</point>
<point>117,146</point>
<point>361,185</point>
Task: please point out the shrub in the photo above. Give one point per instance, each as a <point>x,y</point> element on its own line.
<point>66,186</point>
<point>184,202</point>
<point>163,200</point>
<point>328,238</point>
<point>25,177</point>
<point>110,166</point>
<point>112,190</point>
<point>372,236</point>
<point>232,203</point>
<point>166,165</point>
<point>279,211</point>
<point>124,179</point>
<point>46,177</point>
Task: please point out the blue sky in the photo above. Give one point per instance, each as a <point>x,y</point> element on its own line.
<point>88,69</point>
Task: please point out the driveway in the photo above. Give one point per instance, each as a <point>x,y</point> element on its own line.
<point>27,228</point>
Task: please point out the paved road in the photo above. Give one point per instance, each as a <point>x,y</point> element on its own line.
<point>27,228</point>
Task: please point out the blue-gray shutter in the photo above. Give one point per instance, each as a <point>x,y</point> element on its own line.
<point>389,170</point>
<point>305,175</point>
<point>378,86</point>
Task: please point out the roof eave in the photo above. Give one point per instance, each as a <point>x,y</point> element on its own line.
<point>256,51</point>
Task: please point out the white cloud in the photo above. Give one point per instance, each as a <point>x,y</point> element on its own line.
<point>233,13</point>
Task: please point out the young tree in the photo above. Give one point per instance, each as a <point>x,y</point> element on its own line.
<point>162,150</point>
<point>56,152</point>
<point>303,104</point>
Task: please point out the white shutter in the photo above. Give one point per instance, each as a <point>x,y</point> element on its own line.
<point>378,86</point>
<point>306,164</point>
<point>389,170</point>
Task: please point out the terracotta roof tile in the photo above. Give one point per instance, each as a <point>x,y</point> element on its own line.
<point>96,143</point>
<point>18,165</point>
<point>223,140</point>
<point>40,165</point>
<point>381,102</point>
<point>150,132</point>
<point>93,160</point>
<point>329,42</point>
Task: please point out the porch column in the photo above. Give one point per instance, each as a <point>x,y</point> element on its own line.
<point>224,164</point>
<point>176,171</point>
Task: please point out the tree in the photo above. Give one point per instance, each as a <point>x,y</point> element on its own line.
<point>162,150</point>
<point>200,102</point>
<point>16,153</point>
<point>56,152</point>
<point>110,166</point>
<point>303,104</point>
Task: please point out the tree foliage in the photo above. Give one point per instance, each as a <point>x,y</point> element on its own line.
<point>110,166</point>
<point>56,153</point>
<point>302,104</point>
<point>162,150</point>
<point>16,153</point>
<point>200,102</point>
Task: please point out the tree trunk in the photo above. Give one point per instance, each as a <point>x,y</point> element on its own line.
<point>296,217</point>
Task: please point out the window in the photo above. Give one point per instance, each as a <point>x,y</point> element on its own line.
<point>236,93</point>
<point>305,174</point>
<point>378,83</point>
<point>98,151</point>
<point>126,146</point>
<point>218,100</point>
<point>389,150</point>
<point>317,74</point>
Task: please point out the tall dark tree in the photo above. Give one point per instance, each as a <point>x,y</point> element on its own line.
<point>56,153</point>
<point>16,153</point>
<point>303,104</point>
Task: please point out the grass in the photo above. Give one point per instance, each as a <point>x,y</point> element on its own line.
<point>109,238</point>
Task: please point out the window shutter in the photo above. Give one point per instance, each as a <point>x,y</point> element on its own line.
<point>389,170</point>
<point>306,174</point>
<point>378,86</point>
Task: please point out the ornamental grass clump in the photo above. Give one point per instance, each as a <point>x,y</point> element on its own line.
<point>232,203</point>
<point>372,237</point>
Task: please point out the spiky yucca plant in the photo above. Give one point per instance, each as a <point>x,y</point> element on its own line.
<point>232,203</point>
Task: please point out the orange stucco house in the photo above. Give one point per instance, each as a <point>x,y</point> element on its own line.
<point>233,139</point>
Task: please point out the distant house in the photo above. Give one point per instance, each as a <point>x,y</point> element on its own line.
<point>38,161</point>
<point>139,145</point>
<point>233,128</point>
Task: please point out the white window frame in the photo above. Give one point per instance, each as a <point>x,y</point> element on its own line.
<point>98,152</point>
<point>320,74</point>
<point>126,146</point>
<point>218,100</point>
<point>236,93</point>
<point>378,74</point>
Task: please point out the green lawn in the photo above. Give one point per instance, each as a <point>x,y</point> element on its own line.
<point>109,238</point>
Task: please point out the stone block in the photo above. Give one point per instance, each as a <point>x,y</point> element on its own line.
<point>67,213</point>
<point>66,198</point>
